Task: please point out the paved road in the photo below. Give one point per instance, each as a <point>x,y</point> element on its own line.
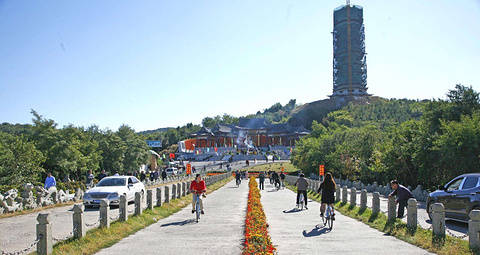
<point>220,230</point>
<point>17,233</point>
<point>295,232</point>
<point>454,228</point>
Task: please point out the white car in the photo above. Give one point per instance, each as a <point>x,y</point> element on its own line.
<point>111,188</point>
<point>171,171</point>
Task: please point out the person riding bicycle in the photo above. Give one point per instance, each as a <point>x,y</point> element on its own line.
<point>198,187</point>
<point>282,179</point>
<point>302,186</point>
<point>238,177</point>
<point>327,187</point>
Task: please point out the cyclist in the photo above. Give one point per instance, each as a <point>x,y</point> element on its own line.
<point>328,190</point>
<point>198,187</point>
<point>302,186</point>
<point>282,179</point>
<point>238,177</point>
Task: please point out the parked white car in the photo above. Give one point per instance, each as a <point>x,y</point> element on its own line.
<point>171,171</point>
<point>112,188</point>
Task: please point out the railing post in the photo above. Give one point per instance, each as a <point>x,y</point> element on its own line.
<point>438,219</point>
<point>179,190</point>
<point>174,191</point>
<point>363,199</point>
<point>337,195</point>
<point>159,196</point>
<point>344,194</point>
<point>104,214</point>
<point>138,203</point>
<point>167,194</point>
<point>392,207</point>
<point>150,199</point>
<point>412,213</point>
<point>353,196</point>
<point>183,188</point>
<point>44,234</point>
<point>123,208</point>
<point>79,229</point>
<point>474,229</point>
<point>376,202</point>
<point>188,187</point>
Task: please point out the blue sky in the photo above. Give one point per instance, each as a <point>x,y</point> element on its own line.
<point>152,64</point>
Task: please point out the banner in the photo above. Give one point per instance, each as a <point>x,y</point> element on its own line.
<point>321,170</point>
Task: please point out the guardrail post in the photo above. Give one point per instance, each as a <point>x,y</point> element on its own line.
<point>376,202</point>
<point>392,207</point>
<point>337,193</point>
<point>167,194</point>
<point>363,199</point>
<point>174,191</point>
<point>353,196</point>
<point>438,219</point>
<point>79,229</point>
<point>412,213</point>
<point>138,203</point>
<point>123,208</point>
<point>187,187</point>
<point>179,190</point>
<point>344,194</point>
<point>44,234</point>
<point>159,196</point>
<point>184,185</point>
<point>150,199</point>
<point>104,214</point>
<point>474,229</point>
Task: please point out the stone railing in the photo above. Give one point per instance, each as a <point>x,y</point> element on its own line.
<point>154,198</point>
<point>438,210</point>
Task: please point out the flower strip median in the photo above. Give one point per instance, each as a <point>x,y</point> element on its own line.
<point>257,240</point>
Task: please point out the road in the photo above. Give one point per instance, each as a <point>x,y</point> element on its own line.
<point>298,232</point>
<point>219,231</point>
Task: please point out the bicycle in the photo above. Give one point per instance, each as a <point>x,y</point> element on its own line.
<point>327,218</point>
<point>301,202</point>
<point>238,181</point>
<point>197,207</point>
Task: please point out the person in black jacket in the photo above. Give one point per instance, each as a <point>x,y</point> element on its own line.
<point>261,178</point>
<point>327,187</point>
<point>164,175</point>
<point>102,175</point>
<point>403,194</point>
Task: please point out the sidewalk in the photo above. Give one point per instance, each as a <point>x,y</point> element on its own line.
<point>219,231</point>
<point>295,232</point>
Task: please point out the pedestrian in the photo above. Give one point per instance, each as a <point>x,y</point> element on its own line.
<point>156,175</point>
<point>261,178</point>
<point>403,194</point>
<point>302,186</point>
<point>90,177</point>
<point>282,179</point>
<point>142,176</point>
<point>116,174</point>
<point>50,183</point>
<point>102,175</point>
<point>152,176</point>
<point>164,175</point>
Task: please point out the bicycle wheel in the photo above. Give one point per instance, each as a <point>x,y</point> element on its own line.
<point>324,220</point>
<point>197,209</point>
<point>330,220</point>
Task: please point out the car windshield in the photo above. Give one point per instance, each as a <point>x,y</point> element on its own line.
<point>111,182</point>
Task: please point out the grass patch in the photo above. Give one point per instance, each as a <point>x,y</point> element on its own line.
<point>97,239</point>
<point>273,166</point>
<point>419,237</point>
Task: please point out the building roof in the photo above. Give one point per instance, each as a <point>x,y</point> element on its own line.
<point>254,123</point>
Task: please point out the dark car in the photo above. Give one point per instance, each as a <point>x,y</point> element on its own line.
<point>459,197</point>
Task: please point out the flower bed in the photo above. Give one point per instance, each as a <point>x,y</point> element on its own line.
<point>257,240</point>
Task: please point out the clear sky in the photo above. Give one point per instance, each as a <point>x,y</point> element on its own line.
<point>152,64</point>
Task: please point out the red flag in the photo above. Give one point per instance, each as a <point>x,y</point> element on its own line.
<point>172,155</point>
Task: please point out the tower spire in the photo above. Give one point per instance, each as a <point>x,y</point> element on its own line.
<point>348,2</point>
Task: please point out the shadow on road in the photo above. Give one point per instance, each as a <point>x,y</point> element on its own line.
<point>293,210</point>
<point>178,223</point>
<point>316,232</point>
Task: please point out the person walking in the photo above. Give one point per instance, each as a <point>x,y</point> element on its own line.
<point>403,194</point>
<point>261,178</point>
<point>164,175</point>
<point>302,186</point>
<point>142,176</point>
<point>50,183</point>
<point>90,177</point>
<point>102,175</point>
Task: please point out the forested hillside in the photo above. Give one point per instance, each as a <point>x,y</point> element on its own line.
<point>416,142</point>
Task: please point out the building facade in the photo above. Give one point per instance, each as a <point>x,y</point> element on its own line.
<point>349,56</point>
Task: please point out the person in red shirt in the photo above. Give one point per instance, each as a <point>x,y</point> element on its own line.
<point>198,188</point>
